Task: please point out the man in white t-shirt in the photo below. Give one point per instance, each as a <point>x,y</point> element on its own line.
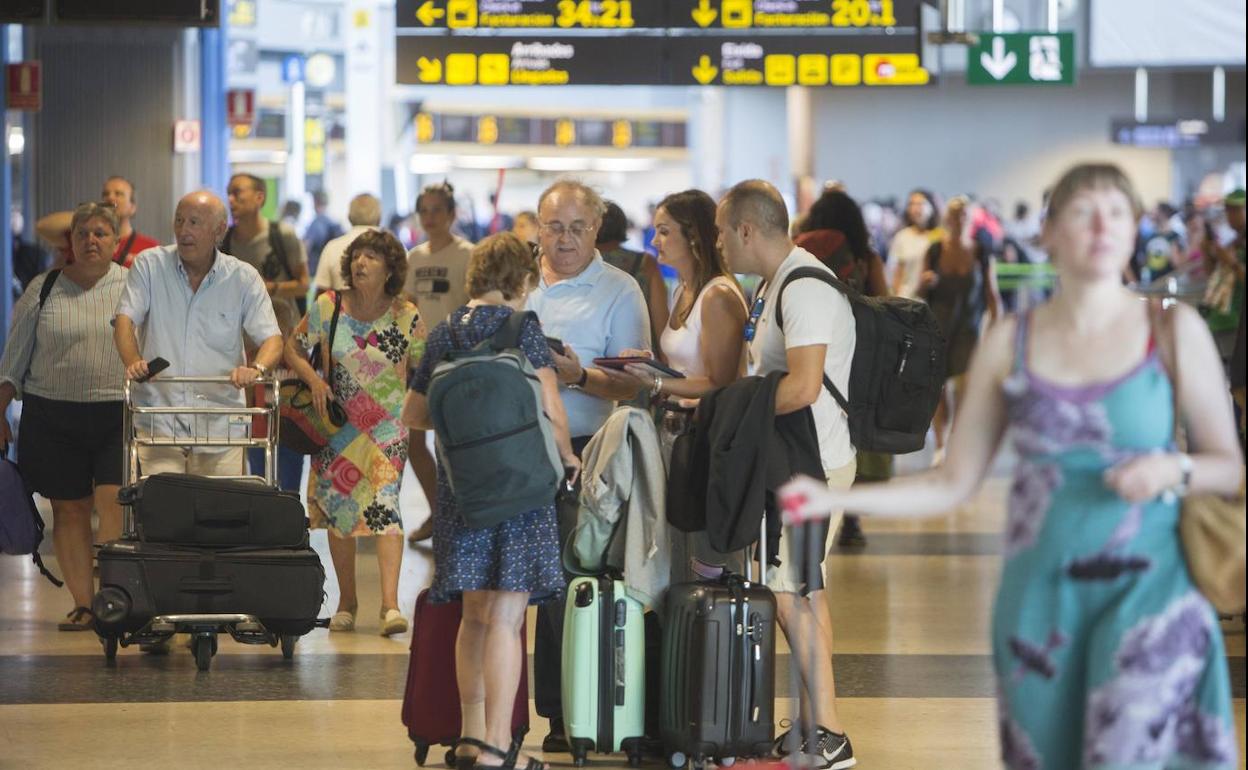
<point>364,214</point>
<point>817,340</point>
<point>438,268</point>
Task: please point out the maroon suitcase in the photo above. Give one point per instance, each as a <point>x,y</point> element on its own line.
<point>431,698</point>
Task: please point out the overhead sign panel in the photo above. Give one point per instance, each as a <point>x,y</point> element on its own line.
<point>497,61</point>
<point>855,15</point>
<point>793,61</point>
<point>1022,58</point>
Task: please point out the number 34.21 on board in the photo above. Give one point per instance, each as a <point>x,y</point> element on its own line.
<point>611,14</point>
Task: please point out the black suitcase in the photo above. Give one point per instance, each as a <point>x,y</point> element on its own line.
<point>719,652</point>
<point>281,588</point>
<point>197,510</point>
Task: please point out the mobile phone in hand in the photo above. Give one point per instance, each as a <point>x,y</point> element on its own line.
<point>556,345</point>
<point>154,367</point>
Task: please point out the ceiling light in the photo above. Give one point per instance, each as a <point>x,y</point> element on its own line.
<point>488,162</point>
<point>559,164</point>
<point>429,164</point>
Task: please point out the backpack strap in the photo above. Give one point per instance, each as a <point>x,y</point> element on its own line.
<point>277,247</point>
<point>124,251</point>
<point>508,335</point>
<point>831,280</point>
<point>46,289</point>
<point>228,241</point>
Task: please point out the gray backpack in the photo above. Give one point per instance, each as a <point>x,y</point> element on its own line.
<point>494,441</point>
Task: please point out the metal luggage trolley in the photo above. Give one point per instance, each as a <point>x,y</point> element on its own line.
<point>244,628</point>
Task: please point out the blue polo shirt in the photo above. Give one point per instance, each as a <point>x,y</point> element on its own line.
<point>198,333</point>
<point>597,313</point>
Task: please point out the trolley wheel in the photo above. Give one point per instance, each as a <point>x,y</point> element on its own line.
<point>676,760</point>
<point>110,648</point>
<point>726,761</point>
<point>288,645</point>
<point>204,650</point>
<point>422,753</point>
<point>634,759</point>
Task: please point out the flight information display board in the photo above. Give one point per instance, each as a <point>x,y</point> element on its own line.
<point>532,15</point>
<point>707,61</point>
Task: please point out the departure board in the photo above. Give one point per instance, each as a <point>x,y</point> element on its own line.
<point>660,42</point>
<point>533,15</point>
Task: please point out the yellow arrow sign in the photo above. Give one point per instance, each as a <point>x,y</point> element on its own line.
<point>427,14</point>
<point>704,15</point>
<point>430,70</point>
<point>704,73</point>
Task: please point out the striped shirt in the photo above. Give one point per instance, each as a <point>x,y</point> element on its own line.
<point>66,352</point>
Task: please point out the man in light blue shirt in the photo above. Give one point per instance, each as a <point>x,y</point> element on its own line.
<point>595,310</point>
<point>193,304</point>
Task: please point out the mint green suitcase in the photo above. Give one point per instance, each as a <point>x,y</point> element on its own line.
<point>604,670</point>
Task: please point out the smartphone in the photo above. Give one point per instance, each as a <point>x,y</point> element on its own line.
<point>154,367</point>
<point>556,345</point>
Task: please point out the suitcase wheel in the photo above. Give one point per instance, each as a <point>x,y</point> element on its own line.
<point>677,760</point>
<point>288,647</point>
<point>110,648</point>
<point>205,647</point>
<point>579,748</point>
<point>726,761</point>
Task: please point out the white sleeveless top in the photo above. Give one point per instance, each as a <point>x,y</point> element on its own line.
<point>683,346</point>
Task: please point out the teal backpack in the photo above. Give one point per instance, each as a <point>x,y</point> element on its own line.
<point>494,441</point>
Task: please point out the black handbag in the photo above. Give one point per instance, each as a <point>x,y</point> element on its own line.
<point>302,429</point>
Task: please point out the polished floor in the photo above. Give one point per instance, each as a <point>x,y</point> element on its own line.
<point>912,669</point>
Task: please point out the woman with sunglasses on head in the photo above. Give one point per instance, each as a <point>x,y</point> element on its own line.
<point>704,337</point>
<point>1106,655</point>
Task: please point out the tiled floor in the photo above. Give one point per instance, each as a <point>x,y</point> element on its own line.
<point>912,669</point>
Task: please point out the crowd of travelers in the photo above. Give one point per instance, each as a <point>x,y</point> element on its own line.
<point>1067,358</point>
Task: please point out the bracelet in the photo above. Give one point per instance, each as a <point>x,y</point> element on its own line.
<point>657,388</point>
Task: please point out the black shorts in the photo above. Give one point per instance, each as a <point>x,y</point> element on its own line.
<point>67,448</point>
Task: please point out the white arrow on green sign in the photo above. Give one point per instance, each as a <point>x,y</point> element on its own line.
<point>1022,58</point>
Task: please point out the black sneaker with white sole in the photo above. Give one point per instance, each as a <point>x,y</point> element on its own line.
<point>832,751</point>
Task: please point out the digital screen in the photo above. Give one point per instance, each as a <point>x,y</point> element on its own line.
<point>185,12</point>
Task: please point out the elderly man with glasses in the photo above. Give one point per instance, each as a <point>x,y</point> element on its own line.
<point>594,310</point>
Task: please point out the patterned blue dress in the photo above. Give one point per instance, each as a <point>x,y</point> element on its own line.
<point>1106,655</point>
<point>520,554</point>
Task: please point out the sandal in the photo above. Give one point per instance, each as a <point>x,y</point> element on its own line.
<point>393,622</point>
<point>343,620</point>
<point>509,757</point>
<point>463,761</point>
<point>78,619</point>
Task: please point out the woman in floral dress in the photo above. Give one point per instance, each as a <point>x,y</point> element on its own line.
<point>355,478</point>
<point>1106,654</point>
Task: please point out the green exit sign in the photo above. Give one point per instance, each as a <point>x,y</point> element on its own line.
<point>1022,59</point>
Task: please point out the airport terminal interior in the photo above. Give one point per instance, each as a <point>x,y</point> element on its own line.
<point>433,125</point>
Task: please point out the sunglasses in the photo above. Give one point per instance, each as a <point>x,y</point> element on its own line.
<point>756,312</point>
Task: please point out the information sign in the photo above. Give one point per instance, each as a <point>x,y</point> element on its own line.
<point>497,61</point>
<point>1022,58</point>
<point>857,15</point>
<point>793,61</point>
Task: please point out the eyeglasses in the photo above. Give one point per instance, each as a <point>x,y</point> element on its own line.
<point>756,312</point>
<point>557,230</point>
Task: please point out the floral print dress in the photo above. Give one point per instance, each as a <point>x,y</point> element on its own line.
<point>1106,654</point>
<point>355,478</point>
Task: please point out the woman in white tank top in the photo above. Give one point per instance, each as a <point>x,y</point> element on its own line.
<point>704,339</point>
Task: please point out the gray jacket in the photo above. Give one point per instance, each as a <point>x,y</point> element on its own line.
<point>621,524</point>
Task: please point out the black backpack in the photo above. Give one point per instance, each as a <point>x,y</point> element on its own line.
<point>897,372</point>
<point>276,262</point>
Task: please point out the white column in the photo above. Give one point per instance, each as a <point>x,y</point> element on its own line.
<point>801,134</point>
<point>365,98</point>
<point>296,184</point>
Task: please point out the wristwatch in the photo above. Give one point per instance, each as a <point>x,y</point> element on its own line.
<point>259,367</point>
<point>1185,470</point>
<point>581,382</point>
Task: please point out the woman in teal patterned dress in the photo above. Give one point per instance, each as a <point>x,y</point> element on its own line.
<point>1105,653</point>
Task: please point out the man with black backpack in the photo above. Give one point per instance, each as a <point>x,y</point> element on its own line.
<point>273,248</point>
<point>814,343</point>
